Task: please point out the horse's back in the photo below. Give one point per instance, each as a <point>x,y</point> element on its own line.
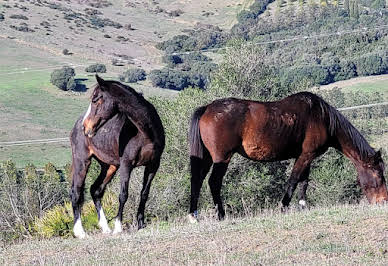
<point>263,130</point>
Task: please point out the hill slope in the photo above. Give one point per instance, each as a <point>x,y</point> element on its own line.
<point>336,235</point>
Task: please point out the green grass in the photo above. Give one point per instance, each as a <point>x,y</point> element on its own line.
<point>339,235</point>
<point>375,86</point>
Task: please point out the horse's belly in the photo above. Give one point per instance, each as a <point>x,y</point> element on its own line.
<point>258,151</point>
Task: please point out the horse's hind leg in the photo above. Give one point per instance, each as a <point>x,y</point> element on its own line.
<point>199,169</point>
<point>78,172</point>
<point>125,173</point>
<point>215,183</point>
<point>149,174</point>
<point>300,173</point>
<point>97,191</point>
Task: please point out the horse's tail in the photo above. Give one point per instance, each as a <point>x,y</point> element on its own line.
<point>198,156</point>
<point>196,145</point>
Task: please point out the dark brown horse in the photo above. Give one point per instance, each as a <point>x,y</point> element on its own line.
<point>121,130</point>
<point>301,126</point>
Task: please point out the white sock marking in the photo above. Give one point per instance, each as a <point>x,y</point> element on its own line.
<point>302,203</point>
<point>87,113</point>
<point>103,223</point>
<point>118,227</point>
<point>78,230</point>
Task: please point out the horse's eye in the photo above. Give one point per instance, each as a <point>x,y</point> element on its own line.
<point>95,99</point>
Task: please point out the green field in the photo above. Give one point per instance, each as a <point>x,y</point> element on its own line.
<point>32,108</point>
<point>336,235</point>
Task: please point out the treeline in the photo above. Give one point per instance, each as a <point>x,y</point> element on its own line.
<point>325,59</point>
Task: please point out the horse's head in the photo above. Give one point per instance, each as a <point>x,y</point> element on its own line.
<point>101,108</point>
<point>371,178</point>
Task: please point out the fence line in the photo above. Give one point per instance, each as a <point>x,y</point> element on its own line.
<point>58,140</point>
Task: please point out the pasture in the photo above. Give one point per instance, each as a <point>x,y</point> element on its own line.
<point>32,108</point>
<point>335,235</point>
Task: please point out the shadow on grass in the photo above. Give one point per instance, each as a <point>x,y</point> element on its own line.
<point>80,87</point>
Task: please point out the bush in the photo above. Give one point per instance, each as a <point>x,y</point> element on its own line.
<point>169,79</point>
<point>370,65</point>
<point>133,75</point>
<point>96,68</point>
<point>58,221</point>
<point>1,17</point>
<point>25,195</point>
<point>63,78</point>
<point>19,17</point>
<point>65,51</point>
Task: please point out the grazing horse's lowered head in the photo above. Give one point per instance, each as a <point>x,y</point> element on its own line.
<point>371,178</point>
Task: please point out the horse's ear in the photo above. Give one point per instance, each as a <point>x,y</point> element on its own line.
<point>100,82</point>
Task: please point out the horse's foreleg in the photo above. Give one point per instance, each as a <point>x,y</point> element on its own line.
<point>149,174</point>
<point>199,169</point>
<point>79,170</point>
<point>215,183</point>
<point>97,191</point>
<point>125,174</point>
<point>300,172</point>
<point>302,191</point>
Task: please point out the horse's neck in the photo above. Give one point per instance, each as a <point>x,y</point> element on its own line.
<point>139,114</point>
<point>356,151</point>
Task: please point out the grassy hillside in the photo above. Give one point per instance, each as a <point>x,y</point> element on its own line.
<point>98,30</point>
<point>337,235</point>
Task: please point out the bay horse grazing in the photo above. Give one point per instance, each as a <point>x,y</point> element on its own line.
<point>121,130</point>
<point>301,126</point>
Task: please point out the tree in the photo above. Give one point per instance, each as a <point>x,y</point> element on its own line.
<point>96,68</point>
<point>133,75</point>
<point>63,78</point>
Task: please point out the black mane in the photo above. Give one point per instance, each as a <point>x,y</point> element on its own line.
<point>337,122</point>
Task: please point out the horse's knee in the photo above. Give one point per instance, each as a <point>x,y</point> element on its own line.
<point>76,194</point>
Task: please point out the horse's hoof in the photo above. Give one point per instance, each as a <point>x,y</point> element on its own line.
<point>192,219</point>
<point>118,227</point>
<point>302,204</point>
<point>81,235</point>
<point>284,209</point>
<point>106,231</point>
<point>141,225</point>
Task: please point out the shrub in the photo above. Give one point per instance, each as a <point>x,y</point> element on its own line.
<point>1,17</point>
<point>23,28</point>
<point>58,221</point>
<point>63,78</point>
<point>25,195</point>
<point>347,70</point>
<point>19,17</point>
<point>65,51</point>
<point>169,79</point>
<point>96,68</point>
<point>133,75</point>
<point>370,65</point>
